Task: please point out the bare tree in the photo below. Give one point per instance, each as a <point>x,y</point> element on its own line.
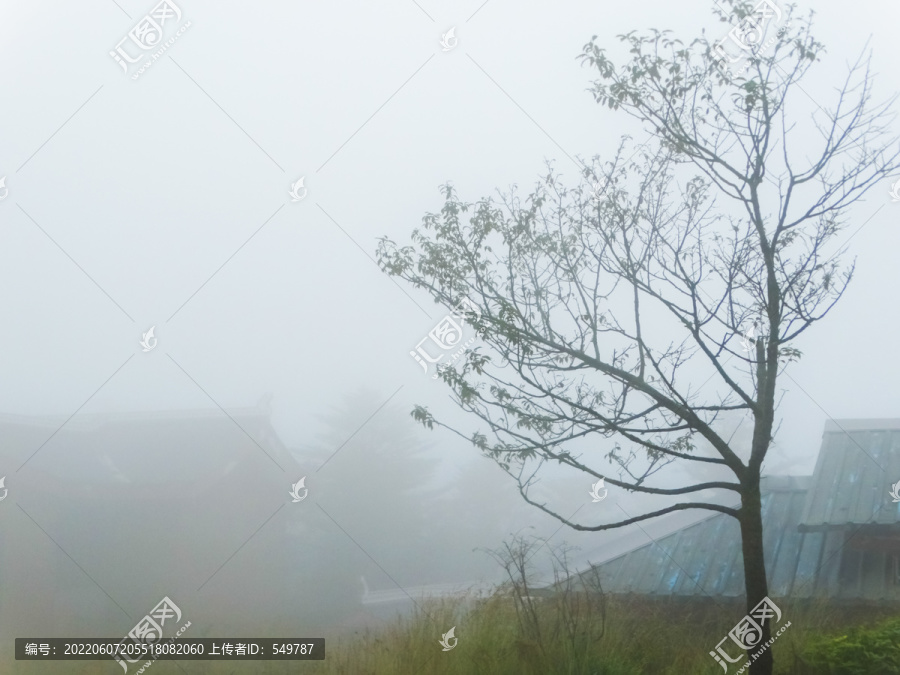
<point>576,612</point>
<point>673,289</point>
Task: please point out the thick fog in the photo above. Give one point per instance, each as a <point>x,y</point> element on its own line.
<point>146,466</point>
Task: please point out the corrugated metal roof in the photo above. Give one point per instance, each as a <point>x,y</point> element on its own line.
<point>704,559</point>
<point>835,534</point>
<point>857,464</point>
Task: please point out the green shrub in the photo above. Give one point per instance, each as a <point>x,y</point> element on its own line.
<point>862,651</point>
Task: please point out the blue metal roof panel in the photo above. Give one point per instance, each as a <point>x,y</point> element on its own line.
<point>704,558</point>
<point>857,464</point>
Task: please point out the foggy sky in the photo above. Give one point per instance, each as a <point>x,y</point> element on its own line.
<point>164,202</point>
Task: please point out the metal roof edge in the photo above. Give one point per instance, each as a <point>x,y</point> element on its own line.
<point>857,424</point>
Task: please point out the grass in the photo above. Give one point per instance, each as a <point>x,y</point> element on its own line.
<point>575,631</point>
<point>570,634</point>
<point>629,637</point>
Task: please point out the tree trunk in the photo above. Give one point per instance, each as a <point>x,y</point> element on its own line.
<point>755,580</point>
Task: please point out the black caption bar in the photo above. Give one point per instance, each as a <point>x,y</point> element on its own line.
<point>131,651</point>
